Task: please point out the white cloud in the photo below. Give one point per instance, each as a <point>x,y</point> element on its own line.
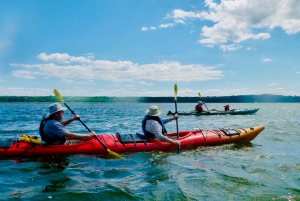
<point>24,74</point>
<point>144,28</point>
<point>115,71</point>
<point>166,25</point>
<point>237,21</point>
<point>64,58</point>
<point>266,60</point>
<point>230,47</point>
<point>180,14</point>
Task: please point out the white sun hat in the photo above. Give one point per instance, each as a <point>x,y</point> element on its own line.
<point>154,110</point>
<point>55,107</point>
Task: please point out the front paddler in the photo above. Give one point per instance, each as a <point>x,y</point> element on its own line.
<point>53,131</point>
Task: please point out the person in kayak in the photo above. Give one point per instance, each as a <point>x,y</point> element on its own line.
<point>154,127</point>
<point>53,131</point>
<point>199,107</point>
<point>226,107</point>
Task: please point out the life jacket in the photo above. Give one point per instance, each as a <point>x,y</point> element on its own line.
<point>46,138</point>
<point>199,108</point>
<point>155,118</point>
<point>226,107</point>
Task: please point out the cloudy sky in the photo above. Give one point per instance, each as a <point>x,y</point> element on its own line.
<point>143,48</point>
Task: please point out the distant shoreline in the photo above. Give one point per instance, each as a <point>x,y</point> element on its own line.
<point>264,98</point>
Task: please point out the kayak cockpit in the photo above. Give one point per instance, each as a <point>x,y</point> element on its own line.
<point>133,138</point>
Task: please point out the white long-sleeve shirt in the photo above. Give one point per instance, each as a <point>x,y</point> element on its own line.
<point>154,127</point>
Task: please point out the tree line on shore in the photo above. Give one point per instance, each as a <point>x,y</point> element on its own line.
<point>264,98</point>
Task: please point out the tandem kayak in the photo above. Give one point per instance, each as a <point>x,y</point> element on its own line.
<point>123,143</point>
<point>216,112</point>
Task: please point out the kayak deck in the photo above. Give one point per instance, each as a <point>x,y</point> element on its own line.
<point>122,143</point>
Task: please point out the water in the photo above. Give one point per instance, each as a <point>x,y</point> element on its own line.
<point>266,169</point>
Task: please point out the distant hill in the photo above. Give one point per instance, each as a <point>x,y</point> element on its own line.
<point>264,98</point>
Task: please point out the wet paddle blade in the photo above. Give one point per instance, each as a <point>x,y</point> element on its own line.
<point>199,95</point>
<point>114,154</point>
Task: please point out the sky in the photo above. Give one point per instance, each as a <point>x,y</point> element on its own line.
<point>142,48</point>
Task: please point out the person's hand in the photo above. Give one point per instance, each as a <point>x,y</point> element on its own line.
<point>92,134</point>
<point>76,117</point>
<point>176,116</point>
<point>178,142</point>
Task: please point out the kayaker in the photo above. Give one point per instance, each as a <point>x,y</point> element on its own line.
<point>154,127</point>
<point>226,107</point>
<point>199,107</point>
<point>53,131</point>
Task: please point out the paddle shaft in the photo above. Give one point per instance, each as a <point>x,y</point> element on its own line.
<point>176,112</point>
<point>86,127</point>
<point>206,106</point>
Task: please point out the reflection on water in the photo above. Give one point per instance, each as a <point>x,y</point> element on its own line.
<point>56,185</point>
<point>53,164</point>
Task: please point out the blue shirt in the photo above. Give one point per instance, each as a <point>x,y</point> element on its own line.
<point>55,130</point>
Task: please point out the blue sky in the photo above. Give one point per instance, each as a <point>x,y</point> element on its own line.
<point>143,48</point>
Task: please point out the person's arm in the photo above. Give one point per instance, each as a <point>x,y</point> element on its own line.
<point>155,128</point>
<point>176,116</point>
<point>77,136</point>
<point>67,122</point>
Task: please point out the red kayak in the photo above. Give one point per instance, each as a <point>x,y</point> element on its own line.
<point>122,143</point>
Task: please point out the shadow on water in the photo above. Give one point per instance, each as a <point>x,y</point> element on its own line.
<point>47,167</point>
<point>53,164</point>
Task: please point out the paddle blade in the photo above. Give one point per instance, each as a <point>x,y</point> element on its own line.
<point>175,91</point>
<point>58,96</point>
<point>114,154</point>
<point>199,95</point>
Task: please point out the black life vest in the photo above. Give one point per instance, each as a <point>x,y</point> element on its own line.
<point>155,118</point>
<point>46,138</point>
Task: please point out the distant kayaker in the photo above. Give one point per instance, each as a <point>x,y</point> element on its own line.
<point>226,107</point>
<point>154,127</point>
<point>52,128</point>
<point>199,107</point>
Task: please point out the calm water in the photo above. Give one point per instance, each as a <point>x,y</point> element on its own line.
<point>266,169</point>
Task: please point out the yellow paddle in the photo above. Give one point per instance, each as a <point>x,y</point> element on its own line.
<point>176,112</point>
<point>59,97</point>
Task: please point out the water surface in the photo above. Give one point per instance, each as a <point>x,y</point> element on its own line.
<point>268,168</point>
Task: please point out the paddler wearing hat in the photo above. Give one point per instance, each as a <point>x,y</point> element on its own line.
<point>154,127</point>
<point>53,131</point>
